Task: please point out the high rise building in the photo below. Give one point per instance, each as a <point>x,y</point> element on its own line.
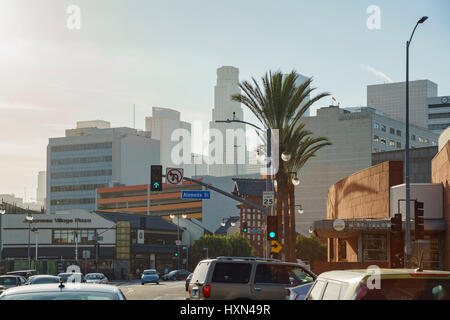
<point>224,108</point>
<point>355,134</point>
<point>88,158</point>
<point>41,188</point>
<point>161,125</point>
<point>390,98</point>
<point>438,113</point>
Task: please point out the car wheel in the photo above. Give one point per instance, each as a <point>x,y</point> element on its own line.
<point>142,283</point>
<point>157,282</point>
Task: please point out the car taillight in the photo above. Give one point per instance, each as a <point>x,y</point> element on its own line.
<point>361,292</point>
<point>189,290</point>
<point>206,291</point>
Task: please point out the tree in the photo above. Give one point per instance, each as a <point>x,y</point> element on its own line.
<point>280,104</point>
<point>310,249</point>
<point>234,246</point>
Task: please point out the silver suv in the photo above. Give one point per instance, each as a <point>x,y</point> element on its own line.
<point>241,278</point>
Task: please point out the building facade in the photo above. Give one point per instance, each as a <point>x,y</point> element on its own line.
<point>438,113</point>
<point>355,133</point>
<point>88,158</point>
<point>224,108</point>
<point>41,188</point>
<point>390,98</point>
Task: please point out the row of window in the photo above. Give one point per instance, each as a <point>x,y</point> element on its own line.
<point>79,174</point>
<point>78,147</point>
<point>383,128</point>
<point>438,126</point>
<point>69,236</point>
<point>439,115</point>
<point>81,187</point>
<point>392,143</point>
<point>65,202</point>
<point>60,162</point>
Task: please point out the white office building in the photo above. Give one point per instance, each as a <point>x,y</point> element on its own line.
<point>390,98</point>
<point>41,187</point>
<point>438,113</point>
<point>224,108</point>
<point>88,158</point>
<point>355,133</point>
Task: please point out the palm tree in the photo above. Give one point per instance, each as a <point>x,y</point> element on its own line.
<point>280,104</point>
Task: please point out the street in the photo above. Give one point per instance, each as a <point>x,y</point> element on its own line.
<point>166,290</point>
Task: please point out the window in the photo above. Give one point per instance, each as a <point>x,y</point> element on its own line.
<point>383,140</point>
<point>342,249</point>
<point>399,133</point>
<point>439,115</point>
<point>421,139</point>
<point>231,272</point>
<point>391,130</point>
<point>78,147</point>
<point>427,141</point>
<point>375,150</point>
<point>399,145</point>
<point>383,128</point>
<point>376,126</point>
<point>200,273</point>
<point>332,291</point>
<point>316,291</point>
<point>439,126</point>
<point>413,137</point>
<point>59,162</point>
<point>79,174</point>
<point>66,202</point>
<point>80,187</point>
<point>391,143</point>
<point>67,236</point>
<point>374,247</point>
<point>376,138</point>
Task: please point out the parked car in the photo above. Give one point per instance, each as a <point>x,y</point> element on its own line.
<point>150,276</point>
<point>42,279</point>
<point>188,280</point>
<point>23,273</point>
<point>10,281</point>
<point>176,275</point>
<point>74,276</point>
<point>386,284</point>
<point>300,292</point>
<point>68,291</point>
<point>241,278</point>
<point>98,278</point>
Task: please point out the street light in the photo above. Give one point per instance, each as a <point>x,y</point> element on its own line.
<point>295,180</point>
<point>300,209</point>
<point>172,216</point>
<point>286,156</point>
<point>2,212</point>
<point>407,178</point>
<point>29,218</point>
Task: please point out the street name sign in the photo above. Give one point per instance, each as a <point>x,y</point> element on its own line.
<point>195,194</point>
<point>174,176</point>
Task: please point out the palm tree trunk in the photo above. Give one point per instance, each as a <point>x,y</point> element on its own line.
<point>292,231</point>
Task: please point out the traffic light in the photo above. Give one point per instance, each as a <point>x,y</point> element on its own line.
<point>397,244</point>
<point>244,227</point>
<point>419,229</point>
<point>272,228</point>
<point>175,254</point>
<point>156,178</point>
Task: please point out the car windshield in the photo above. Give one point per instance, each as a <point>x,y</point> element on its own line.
<point>62,296</point>
<point>409,289</point>
<point>173,272</point>
<point>41,280</point>
<point>7,281</point>
<point>147,272</point>
<point>95,276</point>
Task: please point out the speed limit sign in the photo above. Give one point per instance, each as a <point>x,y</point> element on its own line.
<point>268,198</point>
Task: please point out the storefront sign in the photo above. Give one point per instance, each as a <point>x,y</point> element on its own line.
<point>60,220</point>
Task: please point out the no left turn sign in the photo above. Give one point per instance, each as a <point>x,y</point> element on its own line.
<point>174,176</point>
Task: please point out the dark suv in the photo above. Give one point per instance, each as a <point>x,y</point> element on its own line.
<point>241,278</point>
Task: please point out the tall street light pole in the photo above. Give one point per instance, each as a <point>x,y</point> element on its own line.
<point>29,218</point>
<point>2,212</point>
<point>407,178</point>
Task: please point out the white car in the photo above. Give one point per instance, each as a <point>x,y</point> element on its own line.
<point>98,278</point>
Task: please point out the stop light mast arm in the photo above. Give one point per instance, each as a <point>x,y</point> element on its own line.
<point>227,194</point>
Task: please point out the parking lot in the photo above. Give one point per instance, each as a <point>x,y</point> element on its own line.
<point>165,290</point>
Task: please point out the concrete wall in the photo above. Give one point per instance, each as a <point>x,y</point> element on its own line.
<point>364,194</point>
<point>429,194</point>
<point>420,162</point>
<point>441,174</point>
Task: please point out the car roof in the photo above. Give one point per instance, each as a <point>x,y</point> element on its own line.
<point>358,274</point>
<point>10,276</point>
<point>43,276</point>
<point>94,273</point>
<point>54,287</point>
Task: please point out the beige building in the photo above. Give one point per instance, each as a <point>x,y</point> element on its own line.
<point>355,133</point>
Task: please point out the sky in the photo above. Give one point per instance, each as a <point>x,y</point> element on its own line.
<point>165,53</point>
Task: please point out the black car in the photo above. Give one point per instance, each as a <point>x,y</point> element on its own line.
<point>176,275</point>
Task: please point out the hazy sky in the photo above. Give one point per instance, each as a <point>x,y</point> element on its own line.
<point>165,53</point>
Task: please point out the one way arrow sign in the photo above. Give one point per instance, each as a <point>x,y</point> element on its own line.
<point>276,247</point>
